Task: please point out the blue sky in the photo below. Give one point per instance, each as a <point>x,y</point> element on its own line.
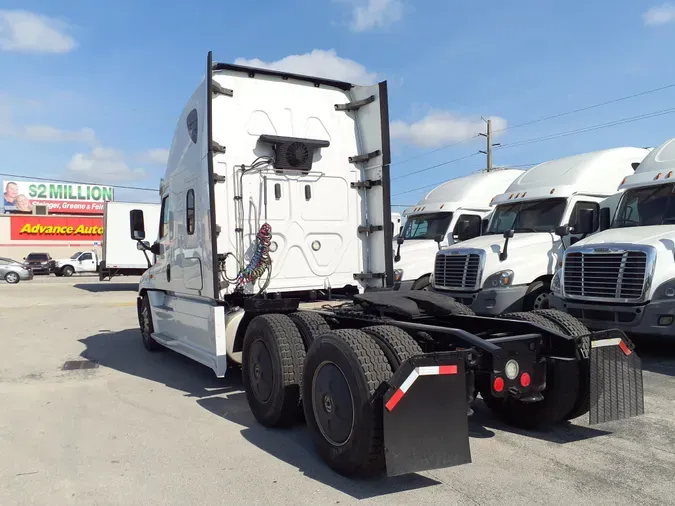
<point>91,91</point>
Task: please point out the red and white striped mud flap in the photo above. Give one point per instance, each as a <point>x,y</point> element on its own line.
<point>424,414</point>
<point>616,378</point>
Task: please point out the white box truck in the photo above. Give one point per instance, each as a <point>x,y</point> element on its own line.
<point>624,276</point>
<point>450,213</point>
<point>511,266</point>
<point>120,254</point>
<point>277,191</point>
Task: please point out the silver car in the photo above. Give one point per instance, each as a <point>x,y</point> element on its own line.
<point>13,271</point>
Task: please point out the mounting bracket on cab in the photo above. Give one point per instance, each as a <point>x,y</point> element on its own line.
<point>217,89</point>
<point>356,105</point>
<point>366,185</point>
<point>369,229</point>
<point>364,157</point>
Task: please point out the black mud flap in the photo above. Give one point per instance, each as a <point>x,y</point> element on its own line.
<point>425,414</point>
<point>616,378</point>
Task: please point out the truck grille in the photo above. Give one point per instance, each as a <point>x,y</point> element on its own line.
<point>605,275</point>
<point>457,271</point>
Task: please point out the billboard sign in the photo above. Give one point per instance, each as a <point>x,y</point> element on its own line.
<point>60,198</point>
<point>53,228</point>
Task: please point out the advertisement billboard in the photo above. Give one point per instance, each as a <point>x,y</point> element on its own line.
<point>53,228</point>
<point>60,198</point>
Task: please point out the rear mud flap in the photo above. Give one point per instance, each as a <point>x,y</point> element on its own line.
<point>616,378</point>
<point>425,415</point>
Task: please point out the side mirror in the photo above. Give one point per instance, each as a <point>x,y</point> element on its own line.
<point>137,225</point>
<point>562,230</point>
<point>154,249</point>
<point>586,222</point>
<point>509,234</point>
<point>439,238</point>
<point>142,245</point>
<point>604,218</point>
<point>399,240</point>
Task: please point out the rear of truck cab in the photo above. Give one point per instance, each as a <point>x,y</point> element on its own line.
<point>511,266</point>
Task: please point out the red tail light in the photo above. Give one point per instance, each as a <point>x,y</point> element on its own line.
<point>498,384</point>
<point>525,379</point>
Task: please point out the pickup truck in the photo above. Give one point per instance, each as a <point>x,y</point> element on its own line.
<point>80,262</point>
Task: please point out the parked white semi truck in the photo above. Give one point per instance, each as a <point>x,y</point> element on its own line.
<point>277,189</point>
<point>624,276</point>
<point>450,213</point>
<point>511,266</point>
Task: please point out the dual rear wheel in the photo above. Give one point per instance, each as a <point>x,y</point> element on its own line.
<point>331,383</point>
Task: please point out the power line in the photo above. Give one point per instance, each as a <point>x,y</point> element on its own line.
<point>539,120</point>
<point>16,176</point>
<point>592,128</point>
<point>448,162</point>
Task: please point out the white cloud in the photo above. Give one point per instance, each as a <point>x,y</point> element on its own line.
<point>46,133</point>
<point>319,63</point>
<point>40,133</point>
<point>438,128</point>
<point>659,15</point>
<point>370,14</point>
<point>103,164</point>
<point>28,32</point>
<point>157,156</point>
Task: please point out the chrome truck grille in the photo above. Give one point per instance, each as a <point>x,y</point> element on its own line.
<point>606,274</point>
<point>458,270</point>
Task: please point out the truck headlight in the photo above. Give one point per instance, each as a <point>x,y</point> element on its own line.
<point>665,291</point>
<point>398,275</point>
<point>499,279</point>
<point>556,282</point>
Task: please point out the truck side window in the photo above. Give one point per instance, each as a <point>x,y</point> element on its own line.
<point>593,206</point>
<point>475,223</point>
<point>164,218</point>
<point>85,256</point>
<point>190,211</point>
<point>193,125</point>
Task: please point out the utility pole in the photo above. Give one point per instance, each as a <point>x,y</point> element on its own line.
<point>490,145</point>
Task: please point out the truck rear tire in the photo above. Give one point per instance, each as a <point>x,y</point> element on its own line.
<point>311,325</point>
<point>459,309</point>
<point>575,328</point>
<point>147,328</point>
<point>343,369</point>
<point>561,395</point>
<point>423,283</point>
<point>397,345</point>
<point>272,358</point>
<point>67,271</point>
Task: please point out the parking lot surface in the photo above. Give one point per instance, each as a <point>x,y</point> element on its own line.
<point>156,428</point>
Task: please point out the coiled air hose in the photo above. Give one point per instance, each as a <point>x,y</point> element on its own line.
<point>260,261</point>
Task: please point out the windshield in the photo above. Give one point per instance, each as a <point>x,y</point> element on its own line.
<point>37,256</point>
<point>426,226</point>
<point>76,255</point>
<point>536,216</point>
<point>641,207</point>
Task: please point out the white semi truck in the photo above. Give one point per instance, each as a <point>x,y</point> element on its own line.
<point>624,276</point>
<point>511,266</point>
<point>277,191</point>
<point>450,213</point>
<point>120,254</point>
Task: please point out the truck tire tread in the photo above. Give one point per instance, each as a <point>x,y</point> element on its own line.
<point>283,340</point>
<point>397,344</point>
<point>569,323</point>
<point>363,452</point>
<point>529,316</point>
<point>311,325</point>
<point>460,309</point>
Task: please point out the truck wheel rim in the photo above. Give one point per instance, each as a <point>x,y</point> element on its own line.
<point>12,277</point>
<point>332,403</point>
<point>260,373</point>
<point>542,301</point>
